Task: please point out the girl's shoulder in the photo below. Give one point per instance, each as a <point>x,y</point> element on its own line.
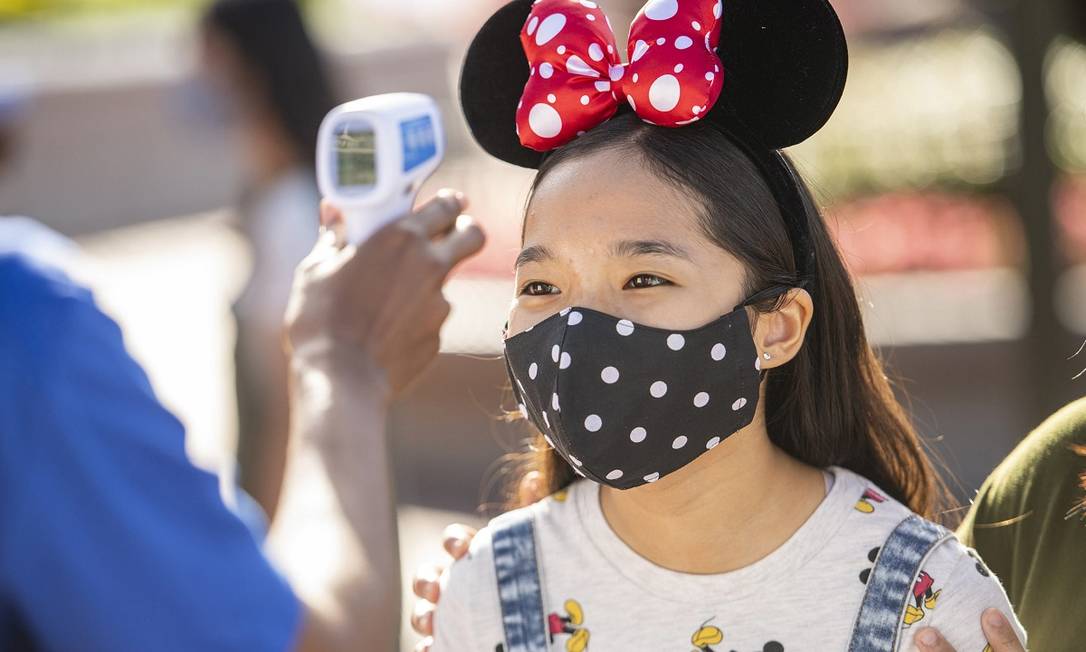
<point>953,587</point>
<point>867,513</point>
<point>874,511</point>
<point>874,515</point>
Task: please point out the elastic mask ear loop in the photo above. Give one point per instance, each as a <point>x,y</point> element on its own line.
<point>771,292</point>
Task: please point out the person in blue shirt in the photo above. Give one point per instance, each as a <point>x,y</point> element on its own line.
<point>110,539</point>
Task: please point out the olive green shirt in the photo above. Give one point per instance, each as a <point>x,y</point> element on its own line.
<point>1028,525</point>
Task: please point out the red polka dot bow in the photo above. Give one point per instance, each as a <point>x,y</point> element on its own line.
<point>577,80</point>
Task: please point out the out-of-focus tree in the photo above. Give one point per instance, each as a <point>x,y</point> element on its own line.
<point>15,10</point>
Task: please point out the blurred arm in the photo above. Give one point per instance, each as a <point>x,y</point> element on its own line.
<point>363,323</point>
<point>335,536</point>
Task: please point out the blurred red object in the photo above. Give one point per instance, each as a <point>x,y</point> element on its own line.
<point>1070,203</point>
<point>913,231</point>
<point>890,233</point>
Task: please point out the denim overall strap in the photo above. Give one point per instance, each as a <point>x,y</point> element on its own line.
<point>890,584</point>
<point>519,589</point>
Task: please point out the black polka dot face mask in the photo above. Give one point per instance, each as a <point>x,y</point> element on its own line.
<point>626,404</point>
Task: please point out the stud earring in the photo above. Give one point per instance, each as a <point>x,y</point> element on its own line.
<point>766,356</point>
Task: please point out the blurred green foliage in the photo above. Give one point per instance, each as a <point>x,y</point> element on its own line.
<point>15,10</point>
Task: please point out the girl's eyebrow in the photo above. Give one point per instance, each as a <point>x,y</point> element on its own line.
<point>631,248</point>
<point>533,254</point>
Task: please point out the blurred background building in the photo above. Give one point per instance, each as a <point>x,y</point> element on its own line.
<point>954,175</point>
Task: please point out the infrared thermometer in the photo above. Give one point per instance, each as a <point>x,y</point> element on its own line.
<point>374,153</point>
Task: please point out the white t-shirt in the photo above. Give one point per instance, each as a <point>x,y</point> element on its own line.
<point>602,596</point>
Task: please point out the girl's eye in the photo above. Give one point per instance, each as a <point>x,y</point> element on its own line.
<point>538,289</point>
<point>642,281</point>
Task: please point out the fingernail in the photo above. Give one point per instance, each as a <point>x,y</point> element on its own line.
<point>449,193</point>
<point>461,199</point>
<point>464,222</point>
<point>994,618</point>
<point>928,638</point>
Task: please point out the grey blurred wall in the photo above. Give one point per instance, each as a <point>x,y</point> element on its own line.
<point>96,158</point>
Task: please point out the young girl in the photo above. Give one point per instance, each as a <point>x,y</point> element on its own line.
<point>730,468</point>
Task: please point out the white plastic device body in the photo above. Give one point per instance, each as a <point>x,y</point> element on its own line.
<point>373,154</point>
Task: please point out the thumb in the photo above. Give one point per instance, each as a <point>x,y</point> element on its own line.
<point>332,219</point>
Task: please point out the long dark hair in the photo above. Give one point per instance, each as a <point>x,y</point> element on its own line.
<point>833,403</point>
<point>277,52</point>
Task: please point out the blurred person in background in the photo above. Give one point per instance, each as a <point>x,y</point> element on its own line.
<point>7,133</point>
<point>23,234</point>
<point>272,90</point>
<point>14,100</point>
<point>1027,522</point>
<point>110,539</point>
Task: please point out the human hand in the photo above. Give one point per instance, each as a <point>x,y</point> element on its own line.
<point>998,631</point>
<point>427,582</point>
<point>377,309</point>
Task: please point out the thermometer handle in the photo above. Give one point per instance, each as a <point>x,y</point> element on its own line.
<point>363,222</point>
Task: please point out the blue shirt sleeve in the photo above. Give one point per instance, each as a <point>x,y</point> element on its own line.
<point>110,539</point>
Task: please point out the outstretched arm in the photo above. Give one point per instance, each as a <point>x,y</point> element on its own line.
<point>363,323</point>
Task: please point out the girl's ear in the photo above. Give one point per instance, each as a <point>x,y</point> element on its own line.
<point>780,333</point>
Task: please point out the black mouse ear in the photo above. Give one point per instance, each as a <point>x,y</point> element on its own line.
<point>492,82</point>
<point>785,64</point>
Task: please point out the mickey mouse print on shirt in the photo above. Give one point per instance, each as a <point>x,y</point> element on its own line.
<point>866,503</point>
<point>924,596</point>
<point>568,624</point>
<point>708,636</point>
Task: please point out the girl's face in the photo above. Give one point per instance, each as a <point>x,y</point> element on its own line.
<point>604,233</point>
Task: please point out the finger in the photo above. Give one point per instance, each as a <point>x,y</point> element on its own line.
<point>464,242</point>
<point>531,488</point>
<point>325,247</point>
<point>422,618</point>
<point>930,640</point>
<point>438,216</point>
<point>998,631</point>
<point>332,222</point>
<point>424,644</point>
<point>329,214</point>
<point>458,539</point>
<point>332,219</point>
<point>427,584</point>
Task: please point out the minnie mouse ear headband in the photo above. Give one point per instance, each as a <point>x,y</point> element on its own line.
<point>769,72</point>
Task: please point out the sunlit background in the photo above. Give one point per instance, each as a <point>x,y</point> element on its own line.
<point>954,175</point>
